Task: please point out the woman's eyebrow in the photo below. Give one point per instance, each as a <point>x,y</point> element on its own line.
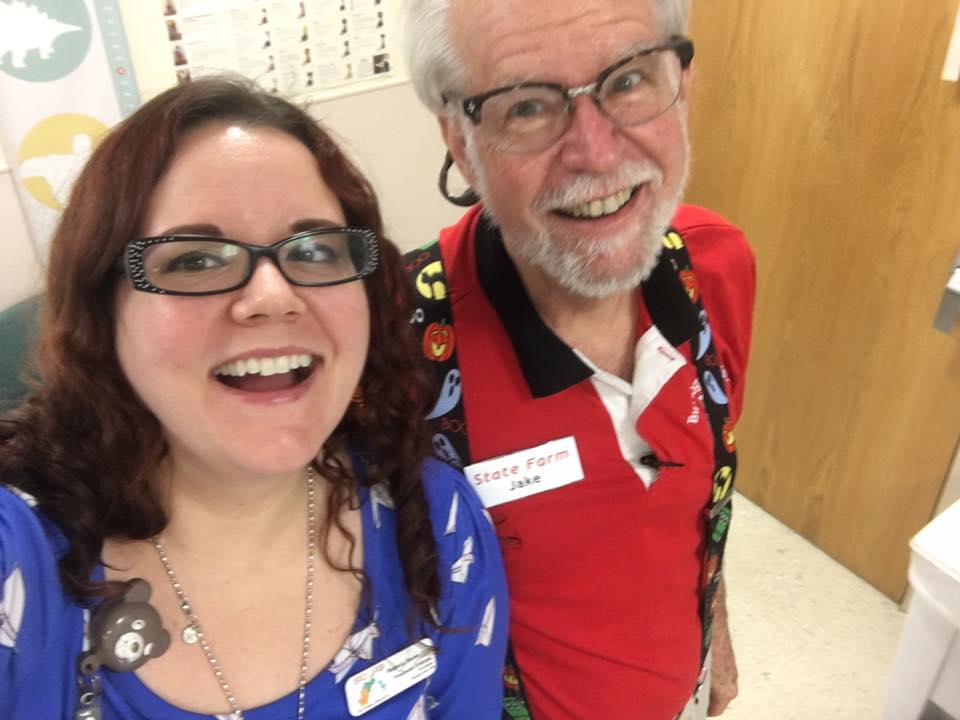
<point>312,224</point>
<point>214,230</point>
<point>192,229</point>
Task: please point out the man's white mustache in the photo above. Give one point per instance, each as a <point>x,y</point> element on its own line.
<point>583,188</point>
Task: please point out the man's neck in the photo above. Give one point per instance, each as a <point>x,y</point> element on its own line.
<point>604,329</point>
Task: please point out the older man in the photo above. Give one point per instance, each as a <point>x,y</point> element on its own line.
<point>591,336</point>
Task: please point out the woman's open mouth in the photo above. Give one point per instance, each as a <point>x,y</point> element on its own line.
<point>266,374</point>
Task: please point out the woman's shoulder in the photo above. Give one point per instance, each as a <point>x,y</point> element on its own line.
<point>14,500</point>
<point>40,626</point>
<point>467,546</point>
<point>449,493</point>
<point>473,604</point>
<point>19,530</point>
<point>22,521</point>
<point>30,546</point>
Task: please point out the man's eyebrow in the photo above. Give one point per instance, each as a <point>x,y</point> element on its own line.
<point>637,47</point>
<point>538,76</point>
<point>533,78</point>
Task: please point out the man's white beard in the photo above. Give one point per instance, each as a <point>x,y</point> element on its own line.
<point>571,267</point>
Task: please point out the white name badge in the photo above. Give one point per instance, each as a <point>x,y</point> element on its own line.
<point>527,472</point>
<point>388,678</point>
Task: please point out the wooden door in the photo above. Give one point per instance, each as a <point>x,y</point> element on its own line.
<point>822,128</point>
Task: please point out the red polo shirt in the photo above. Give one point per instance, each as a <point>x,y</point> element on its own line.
<point>605,573</point>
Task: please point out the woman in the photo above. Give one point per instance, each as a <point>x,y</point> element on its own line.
<point>230,410</point>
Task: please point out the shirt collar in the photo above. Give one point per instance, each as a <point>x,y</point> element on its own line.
<point>668,303</point>
<point>548,364</point>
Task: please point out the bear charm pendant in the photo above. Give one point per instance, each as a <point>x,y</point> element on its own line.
<point>125,632</point>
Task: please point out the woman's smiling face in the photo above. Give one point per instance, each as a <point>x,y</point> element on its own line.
<point>257,186</point>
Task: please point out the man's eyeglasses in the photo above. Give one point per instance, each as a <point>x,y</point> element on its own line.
<point>204,265</point>
<point>530,116</point>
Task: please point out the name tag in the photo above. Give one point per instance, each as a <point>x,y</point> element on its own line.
<point>527,472</point>
<point>388,678</point>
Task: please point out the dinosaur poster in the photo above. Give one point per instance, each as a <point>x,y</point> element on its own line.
<point>65,78</point>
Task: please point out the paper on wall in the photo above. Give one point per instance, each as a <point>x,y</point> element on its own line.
<point>293,48</point>
<point>951,68</point>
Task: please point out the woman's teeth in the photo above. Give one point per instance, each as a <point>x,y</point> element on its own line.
<point>264,366</point>
<point>600,207</point>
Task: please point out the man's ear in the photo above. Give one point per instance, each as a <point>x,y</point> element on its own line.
<point>456,142</point>
<point>686,80</point>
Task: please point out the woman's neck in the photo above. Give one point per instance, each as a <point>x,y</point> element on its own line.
<point>233,516</point>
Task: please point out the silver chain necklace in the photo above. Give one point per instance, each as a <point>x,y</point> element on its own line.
<point>193,634</point>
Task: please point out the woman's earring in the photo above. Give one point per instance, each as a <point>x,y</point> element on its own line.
<point>357,399</point>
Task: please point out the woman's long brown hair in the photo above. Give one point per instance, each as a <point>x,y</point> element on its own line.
<point>87,448</point>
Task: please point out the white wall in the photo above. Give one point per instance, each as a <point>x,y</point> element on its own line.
<point>396,142</point>
<point>385,130</point>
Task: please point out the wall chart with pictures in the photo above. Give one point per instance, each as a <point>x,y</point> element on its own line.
<point>291,47</point>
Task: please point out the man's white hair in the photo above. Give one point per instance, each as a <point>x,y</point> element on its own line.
<point>435,67</point>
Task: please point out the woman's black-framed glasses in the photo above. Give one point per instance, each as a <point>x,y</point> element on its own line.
<point>529,117</point>
<point>205,265</point>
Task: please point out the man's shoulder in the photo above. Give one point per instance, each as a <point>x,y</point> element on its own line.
<point>411,258</point>
<point>443,272</point>
<point>712,239</point>
<point>695,216</point>
<point>701,225</point>
<point>452,240</point>
<point>726,275</point>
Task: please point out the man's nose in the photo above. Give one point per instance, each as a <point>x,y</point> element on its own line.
<point>267,295</point>
<point>592,143</point>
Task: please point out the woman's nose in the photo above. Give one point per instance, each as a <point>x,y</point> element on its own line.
<point>267,295</point>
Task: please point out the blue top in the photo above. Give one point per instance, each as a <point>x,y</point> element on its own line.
<point>42,629</point>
